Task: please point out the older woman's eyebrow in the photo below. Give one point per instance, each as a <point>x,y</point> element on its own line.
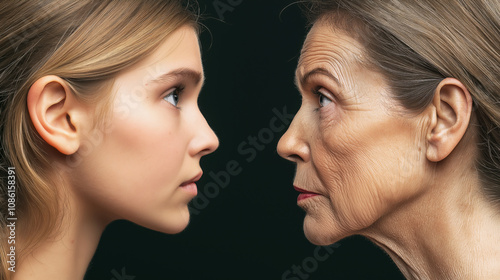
<point>185,73</point>
<point>317,71</point>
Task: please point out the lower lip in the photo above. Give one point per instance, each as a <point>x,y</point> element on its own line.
<point>190,188</point>
<point>303,196</point>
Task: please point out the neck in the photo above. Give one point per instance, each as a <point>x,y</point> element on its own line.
<point>68,254</point>
<point>449,232</point>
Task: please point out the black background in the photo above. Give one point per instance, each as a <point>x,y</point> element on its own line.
<point>253,228</point>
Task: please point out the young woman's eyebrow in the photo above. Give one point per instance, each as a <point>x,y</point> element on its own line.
<point>183,73</point>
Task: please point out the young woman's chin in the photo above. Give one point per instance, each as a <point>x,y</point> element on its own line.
<point>170,223</point>
<point>178,225</point>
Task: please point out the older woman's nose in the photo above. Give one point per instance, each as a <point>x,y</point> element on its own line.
<point>292,146</point>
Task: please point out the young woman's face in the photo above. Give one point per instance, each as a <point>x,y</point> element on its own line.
<point>140,167</point>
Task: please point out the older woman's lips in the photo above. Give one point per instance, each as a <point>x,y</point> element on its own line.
<point>304,194</point>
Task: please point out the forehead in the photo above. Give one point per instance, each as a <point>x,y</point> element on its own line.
<point>180,50</point>
<point>329,48</point>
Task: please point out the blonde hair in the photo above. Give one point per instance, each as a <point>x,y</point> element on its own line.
<point>86,43</point>
<point>417,43</point>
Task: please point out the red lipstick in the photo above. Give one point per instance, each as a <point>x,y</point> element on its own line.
<point>304,194</point>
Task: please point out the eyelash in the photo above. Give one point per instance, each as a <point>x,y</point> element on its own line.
<point>177,90</point>
<point>316,91</point>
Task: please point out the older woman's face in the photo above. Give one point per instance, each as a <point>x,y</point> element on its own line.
<point>357,158</point>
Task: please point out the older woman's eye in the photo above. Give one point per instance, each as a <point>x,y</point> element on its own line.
<point>323,100</point>
<point>173,96</point>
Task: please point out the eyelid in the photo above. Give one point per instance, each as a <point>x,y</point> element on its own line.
<point>179,87</point>
<point>322,90</point>
<point>325,81</point>
<point>178,90</point>
<point>169,91</point>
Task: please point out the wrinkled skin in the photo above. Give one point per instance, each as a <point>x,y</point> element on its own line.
<point>351,144</point>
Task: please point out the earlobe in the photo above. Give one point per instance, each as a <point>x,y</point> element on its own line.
<point>53,112</point>
<point>450,117</point>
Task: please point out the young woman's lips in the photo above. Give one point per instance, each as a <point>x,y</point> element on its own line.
<point>304,194</point>
<point>190,186</point>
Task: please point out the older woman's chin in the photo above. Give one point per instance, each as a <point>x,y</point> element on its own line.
<point>322,234</point>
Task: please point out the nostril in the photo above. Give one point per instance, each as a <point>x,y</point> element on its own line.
<point>207,151</point>
<point>294,158</point>
<point>287,154</point>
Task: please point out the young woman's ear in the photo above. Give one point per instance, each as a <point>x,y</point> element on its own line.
<point>452,106</point>
<point>56,114</point>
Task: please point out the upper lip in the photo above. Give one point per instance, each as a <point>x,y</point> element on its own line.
<point>194,179</point>
<point>303,191</point>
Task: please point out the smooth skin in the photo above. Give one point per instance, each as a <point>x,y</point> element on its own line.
<point>133,166</point>
<point>405,181</point>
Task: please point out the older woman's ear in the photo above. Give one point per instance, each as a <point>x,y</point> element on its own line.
<point>55,113</point>
<point>452,107</point>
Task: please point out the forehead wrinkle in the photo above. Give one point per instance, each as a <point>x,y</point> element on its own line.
<point>335,51</point>
<point>320,50</point>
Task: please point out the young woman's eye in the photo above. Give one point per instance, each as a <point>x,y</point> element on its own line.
<point>173,96</point>
<point>323,100</point>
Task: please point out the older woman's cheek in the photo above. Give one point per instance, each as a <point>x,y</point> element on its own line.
<point>352,173</point>
<point>361,197</point>
<point>333,158</point>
